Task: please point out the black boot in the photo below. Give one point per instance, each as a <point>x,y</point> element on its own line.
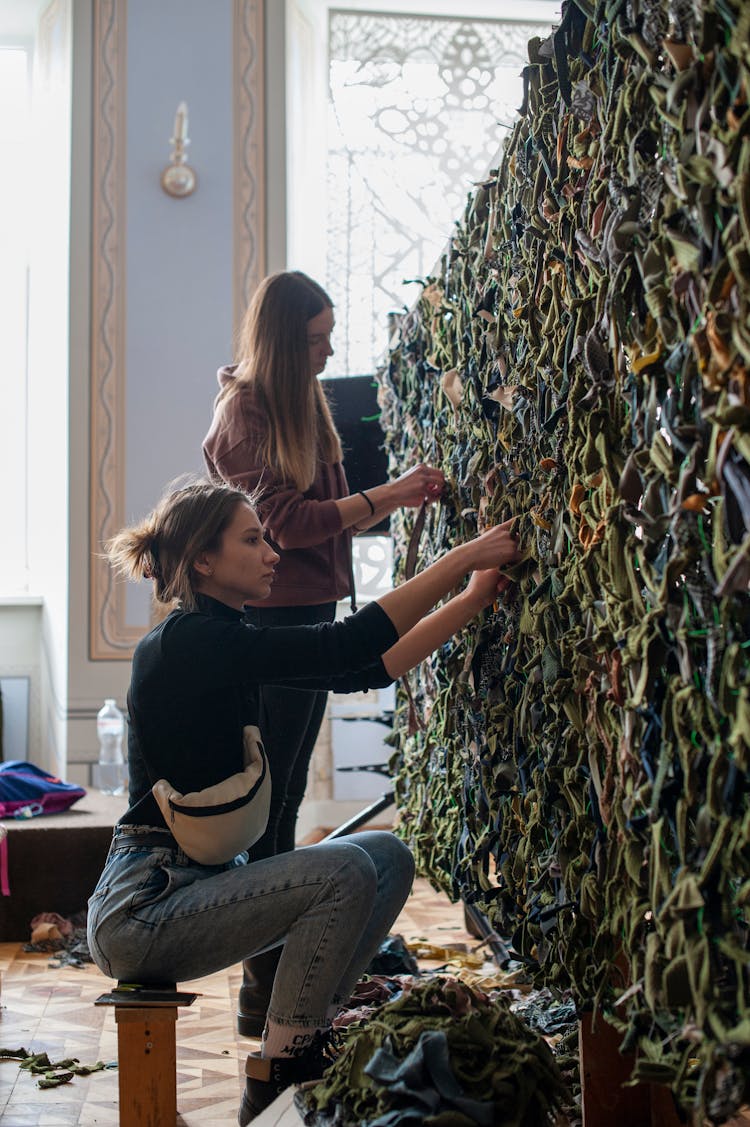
<point>258,973</point>
<point>268,1077</point>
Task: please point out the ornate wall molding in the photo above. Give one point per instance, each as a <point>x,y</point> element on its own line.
<point>249,153</point>
<point>110,636</point>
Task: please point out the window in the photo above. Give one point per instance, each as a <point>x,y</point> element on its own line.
<point>15,144</point>
<point>418,105</point>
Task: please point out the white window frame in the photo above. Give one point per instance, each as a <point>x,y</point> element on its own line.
<point>14,362</point>
<point>306,102</point>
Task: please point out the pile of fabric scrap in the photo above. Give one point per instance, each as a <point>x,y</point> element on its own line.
<point>439,1052</point>
<point>61,936</point>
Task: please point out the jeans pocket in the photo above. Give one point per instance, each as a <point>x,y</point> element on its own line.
<point>160,883</point>
<point>151,890</point>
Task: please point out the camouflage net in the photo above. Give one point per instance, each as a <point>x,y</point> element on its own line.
<point>577,764</point>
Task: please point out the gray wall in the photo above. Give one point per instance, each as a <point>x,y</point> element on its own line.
<point>179,251</point>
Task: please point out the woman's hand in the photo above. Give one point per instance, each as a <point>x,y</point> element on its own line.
<point>420,483</point>
<point>406,604</point>
<point>484,587</point>
<point>433,629</point>
<point>497,547</point>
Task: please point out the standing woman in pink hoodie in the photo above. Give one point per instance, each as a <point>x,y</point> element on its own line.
<point>273,435</point>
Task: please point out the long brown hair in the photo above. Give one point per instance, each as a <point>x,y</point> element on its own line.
<point>273,356</point>
<point>188,520</point>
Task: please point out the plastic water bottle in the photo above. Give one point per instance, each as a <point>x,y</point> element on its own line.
<point>110,772</point>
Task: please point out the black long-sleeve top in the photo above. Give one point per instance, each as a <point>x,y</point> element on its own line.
<point>194,687</point>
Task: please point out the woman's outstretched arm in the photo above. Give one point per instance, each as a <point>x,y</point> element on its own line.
<point>407,604</point>
<point>436,628</point>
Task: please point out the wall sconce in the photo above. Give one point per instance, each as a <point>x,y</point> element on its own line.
<point>178,178</point>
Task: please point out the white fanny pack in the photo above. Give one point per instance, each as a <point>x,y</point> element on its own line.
<point>213,825</point>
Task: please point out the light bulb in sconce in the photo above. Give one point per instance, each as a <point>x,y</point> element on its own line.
<point>178,178</point>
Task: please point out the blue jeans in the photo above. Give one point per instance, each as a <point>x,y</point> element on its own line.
<point>155,915</point>
<point>289,721</point>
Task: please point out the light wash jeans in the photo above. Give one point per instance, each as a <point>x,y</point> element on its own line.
<point>155,915</point>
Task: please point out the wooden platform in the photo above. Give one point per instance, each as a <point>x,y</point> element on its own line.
<point>54,861</point>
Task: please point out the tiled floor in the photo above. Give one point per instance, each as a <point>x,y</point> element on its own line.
<point>52,1010</point>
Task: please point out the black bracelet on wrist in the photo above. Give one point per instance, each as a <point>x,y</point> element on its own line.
<point>369,502</point>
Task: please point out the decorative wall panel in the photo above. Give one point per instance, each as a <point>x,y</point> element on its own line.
<point>109,635</point>
<point>249,171</point>
<point>578,762</point>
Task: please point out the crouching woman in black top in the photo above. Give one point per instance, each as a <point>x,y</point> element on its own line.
<point>177,898</point>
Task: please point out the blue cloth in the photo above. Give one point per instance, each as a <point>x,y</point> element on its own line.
<point>423,1084</point>
<point>27,790</point>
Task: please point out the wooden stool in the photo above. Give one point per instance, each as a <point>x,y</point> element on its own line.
<point>147,1051</point>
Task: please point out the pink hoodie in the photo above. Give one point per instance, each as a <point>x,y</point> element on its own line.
<point>305,528</point>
